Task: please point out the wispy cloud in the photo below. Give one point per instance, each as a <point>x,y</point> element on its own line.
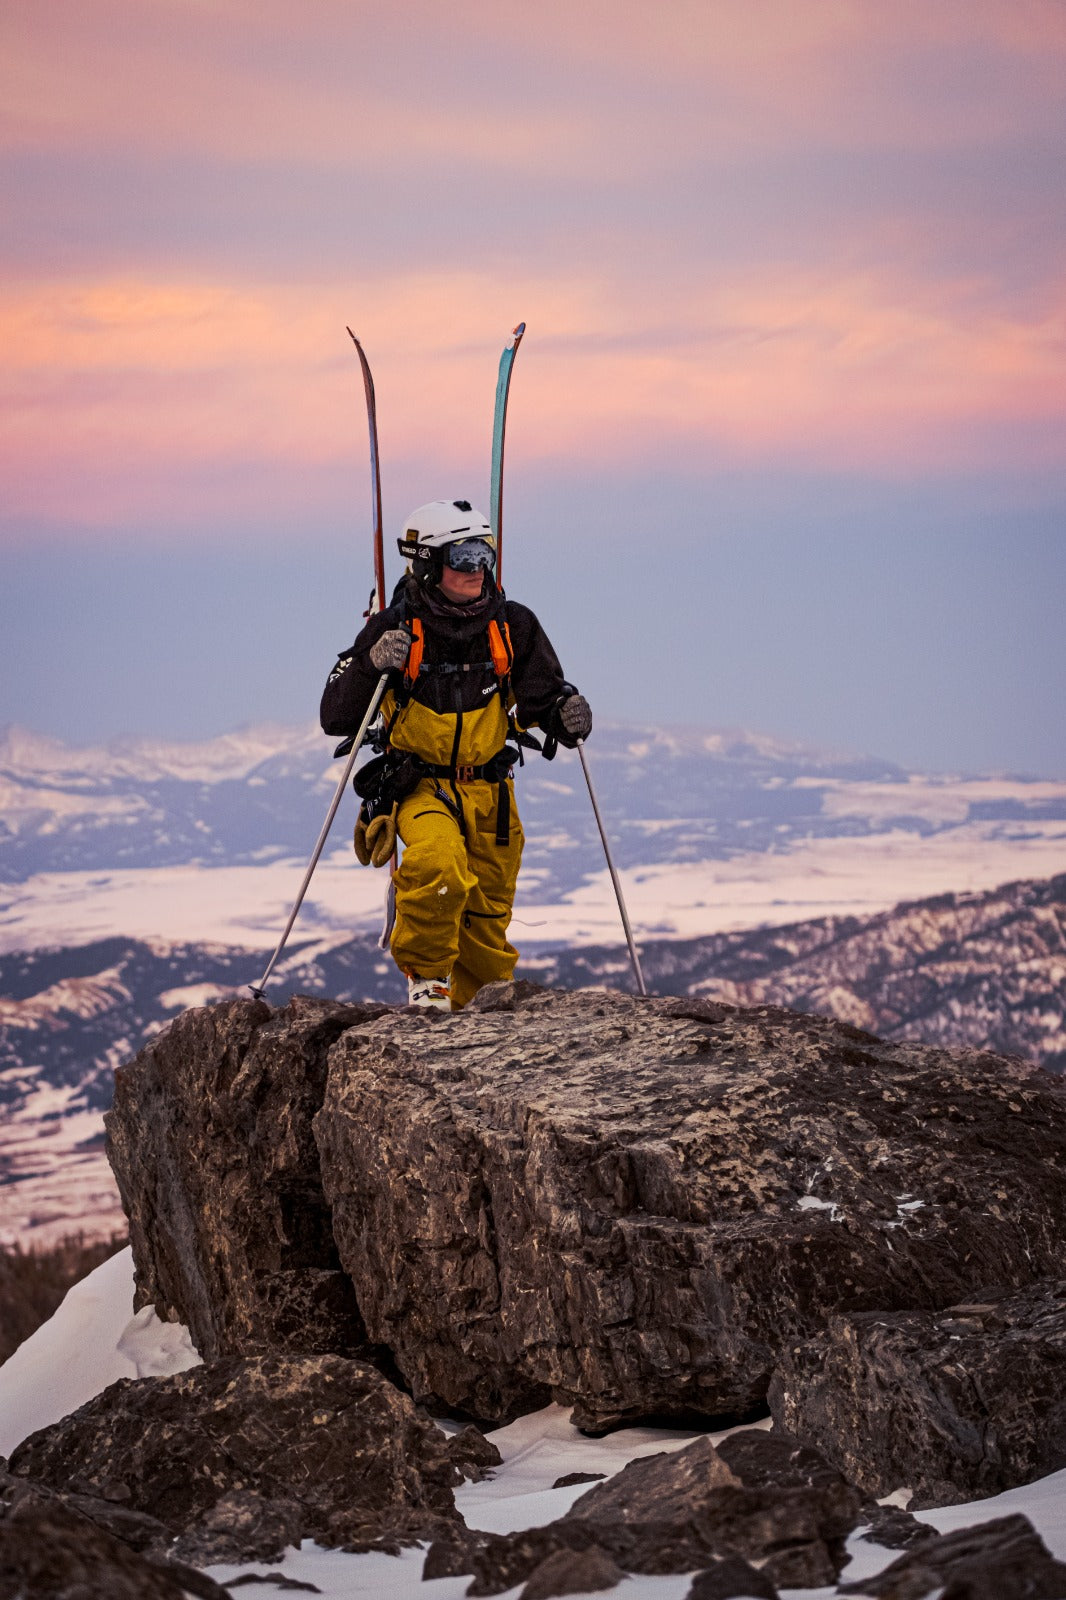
<point>179,378</point>
<point>802,234</point>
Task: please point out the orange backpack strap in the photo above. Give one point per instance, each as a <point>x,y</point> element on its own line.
<point>500,649</point>
<point>414,655</point>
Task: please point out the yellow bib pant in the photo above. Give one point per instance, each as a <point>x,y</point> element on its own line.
<point>454,893</point>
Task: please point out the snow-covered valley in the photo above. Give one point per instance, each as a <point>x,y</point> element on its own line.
<point>712,831</point>
<point>846,875</point>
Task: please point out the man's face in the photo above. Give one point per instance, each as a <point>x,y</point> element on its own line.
<point>465,564</point>
<point>461,586</point>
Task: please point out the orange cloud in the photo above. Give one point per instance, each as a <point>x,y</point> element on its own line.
<point>190,362</point>
<point>114,392</point>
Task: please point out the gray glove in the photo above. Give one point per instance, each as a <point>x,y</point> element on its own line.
<point>389,653</point>
<point>576,717</point>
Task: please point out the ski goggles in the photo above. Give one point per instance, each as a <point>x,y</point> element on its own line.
<point>470,555</point>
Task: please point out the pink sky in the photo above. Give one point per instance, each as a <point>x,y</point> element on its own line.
<point>806,235</point>
<point>787,429</point>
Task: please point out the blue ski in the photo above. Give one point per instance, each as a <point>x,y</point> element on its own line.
<point>499,426</point>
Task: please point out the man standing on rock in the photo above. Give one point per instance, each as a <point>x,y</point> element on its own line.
<point>466,669</point>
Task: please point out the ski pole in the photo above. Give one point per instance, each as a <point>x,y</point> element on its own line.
<point>634,958</point>
<point>257,988</point>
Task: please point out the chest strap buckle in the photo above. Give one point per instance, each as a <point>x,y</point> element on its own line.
<point>464,774</point>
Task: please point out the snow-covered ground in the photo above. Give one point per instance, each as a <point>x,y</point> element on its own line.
<point>94,1339</point>
<point>819,878</point>
<point>57,1179</point>
<point>224,905</point>
<point>248,905</point>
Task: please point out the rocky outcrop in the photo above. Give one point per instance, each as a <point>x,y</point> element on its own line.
<point>956,1405</point>
<point>244,1456</point>
<point>631,1206</point>
<point>634,1205</point>
<point>49,1551</point>
<point>639,1207</point>
<point>729,1578</point>
<point>572,1572</point>
<point>210,1139</point>
<point>1001,1560</point>
<point>770,1503</point>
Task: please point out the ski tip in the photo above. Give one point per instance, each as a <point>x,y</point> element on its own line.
<point>352,337</point>
<point>518,332</point>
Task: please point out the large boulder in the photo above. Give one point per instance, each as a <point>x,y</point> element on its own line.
<point>956,1405</point>
<point>628,1205</point>
<point>633,1205</point>
<point>319,1447</point>
<point>210,1140</point>
<point>50,1551</point>
<point>1001,1560</point>
<point>773,1504</point>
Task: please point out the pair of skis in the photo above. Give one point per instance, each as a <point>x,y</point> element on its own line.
<point>499,428</point>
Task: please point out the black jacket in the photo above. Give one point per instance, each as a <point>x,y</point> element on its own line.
<point>444,705</point>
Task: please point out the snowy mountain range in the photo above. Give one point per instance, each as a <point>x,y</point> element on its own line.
<point>712,830</point>
<point>985,971</point>
<point>672,794</point>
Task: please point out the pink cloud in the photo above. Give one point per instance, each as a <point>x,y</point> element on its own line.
<point>177,380</point>
<point>667,306</point>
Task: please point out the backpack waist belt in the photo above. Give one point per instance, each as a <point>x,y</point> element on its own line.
<point>494,771</point>
<point>497,771</point>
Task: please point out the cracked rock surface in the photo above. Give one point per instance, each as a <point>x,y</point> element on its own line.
<point>955,1405</point>
<point>210,1140</point>
<point>633,1205</point>
<point>252,1454</point>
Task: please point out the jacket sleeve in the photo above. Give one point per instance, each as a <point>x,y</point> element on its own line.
<point>350,686</point>
<point>536,678</point>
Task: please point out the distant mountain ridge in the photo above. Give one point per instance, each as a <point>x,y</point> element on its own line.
<point>670,794</point>
<point>985,971</point>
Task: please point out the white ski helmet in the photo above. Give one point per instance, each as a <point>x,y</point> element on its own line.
<point>438,524</point>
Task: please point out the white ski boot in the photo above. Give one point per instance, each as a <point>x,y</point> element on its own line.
<point>435,992</point>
